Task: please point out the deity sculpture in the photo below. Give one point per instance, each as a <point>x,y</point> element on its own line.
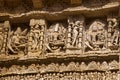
<point>56,38</point>
<point>17,40</point>
<point>96,36</point>
<point>36,37</point>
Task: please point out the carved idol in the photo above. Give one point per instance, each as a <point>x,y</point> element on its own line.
<point>17,40</point>
<point>96,36</point>
<point>56,38</point>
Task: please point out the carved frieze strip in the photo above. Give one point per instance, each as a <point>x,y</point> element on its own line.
<point>62,67</point>
<point>108,75</point>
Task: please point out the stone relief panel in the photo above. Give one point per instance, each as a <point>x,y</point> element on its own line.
<point>56,38</point>
<point>113,33</point>
<point>60,67</point>
<point>36,36</point>
<point>69,36</point>
<point>96,36</point>
<point>75,33</point>
<point>18,39</point>
<point>4,27</point>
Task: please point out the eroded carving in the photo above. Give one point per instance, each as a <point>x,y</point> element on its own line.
<point>108,75</point>
<point>36,37</point>
<point>75,33</point>
<point>56,36</point>
<point>96,36</point>
<point>17,41</point>
<point>1,37</point>
<point>113,34</point>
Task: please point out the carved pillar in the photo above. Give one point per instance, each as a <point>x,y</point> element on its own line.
<point>30,35</point>
<point>36,37</point>
<point>75,33</point>
<point>69,41</point>
<point>42,38</point>
<point>80,39</point>
<point>1,38</point>
<point>5,36</point>
<point>109,31</point>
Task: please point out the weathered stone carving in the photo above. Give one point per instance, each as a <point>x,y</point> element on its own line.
<point>113,33</point>
<point>55,39</point>
<point>36,37</point>
<point>96,36</point>
<point>75,33</point>
<point>108,75</point>
<point>104,66</point>
<point>113,65</point>
<point>17,41</point>
<point>64,48</point>
<point>70,70</point>
<point>3,36</point>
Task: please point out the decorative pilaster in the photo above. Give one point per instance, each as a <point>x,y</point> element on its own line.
<point>109,31</point>
<point>5,29</point>
<point>80,38</point>
<point>75,34</point>
<point>69,41</point>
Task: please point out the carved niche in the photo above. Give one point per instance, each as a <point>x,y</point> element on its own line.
<point>95,37</point>
<point>36,36</point>
<point>17,39</point>
<point>55,38</point>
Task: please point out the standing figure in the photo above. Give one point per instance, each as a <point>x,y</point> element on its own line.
<point>75,35</point>
<point>35,37</point>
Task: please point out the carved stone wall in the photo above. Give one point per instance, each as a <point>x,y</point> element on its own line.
<point>60,40</point>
